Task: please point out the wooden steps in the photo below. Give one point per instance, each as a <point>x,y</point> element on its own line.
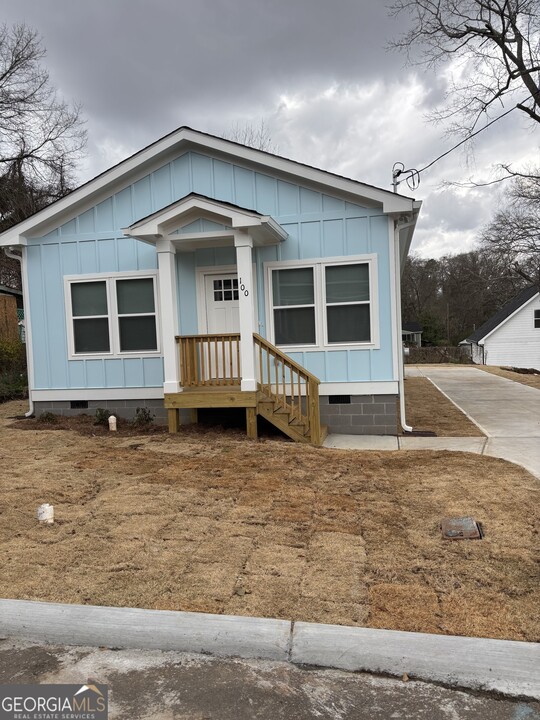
<point>294,428</point>
<point>287,394</point>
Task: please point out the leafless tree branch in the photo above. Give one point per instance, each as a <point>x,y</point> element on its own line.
<point>494,50</point>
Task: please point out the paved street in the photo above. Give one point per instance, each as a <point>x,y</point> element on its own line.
<point>155,685</point>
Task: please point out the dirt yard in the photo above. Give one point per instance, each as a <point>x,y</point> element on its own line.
<point>530,380</point>
<point>429,410</point>
<point>213,522</point>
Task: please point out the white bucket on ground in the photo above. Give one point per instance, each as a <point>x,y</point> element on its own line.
<point>45,514</point>
<point>112,423</point>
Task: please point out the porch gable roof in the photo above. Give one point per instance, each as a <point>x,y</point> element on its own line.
<point>167,223</point>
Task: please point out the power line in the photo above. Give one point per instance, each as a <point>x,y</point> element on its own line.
<point>469,137</point>
<point>413,175</point>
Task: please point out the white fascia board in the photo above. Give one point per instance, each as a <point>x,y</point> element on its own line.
<point>503,322</point>
<point>159,223</point>
<point>274,227</point>
<point>391,202</point>
<point>146,393</point>
<point>174,214</point>
<point>144,161</point>
<point>359,388</point>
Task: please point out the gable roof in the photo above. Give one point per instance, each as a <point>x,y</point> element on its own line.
<point>503,314</point>
<point>263,229</point>
<point>184,139</point>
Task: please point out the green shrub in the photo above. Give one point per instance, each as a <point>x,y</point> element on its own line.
<point>48,418</point>
<point>13,385</point>
<point>102,417</point>
<point>143,417</point>
<point>12,356</point>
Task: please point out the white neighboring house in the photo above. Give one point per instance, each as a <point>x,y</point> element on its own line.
<point>511,336</point>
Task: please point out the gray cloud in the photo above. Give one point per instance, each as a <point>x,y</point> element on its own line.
<point>317,72</point>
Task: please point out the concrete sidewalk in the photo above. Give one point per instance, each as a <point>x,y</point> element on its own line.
<point>390,442</point>
<point>506,411</point>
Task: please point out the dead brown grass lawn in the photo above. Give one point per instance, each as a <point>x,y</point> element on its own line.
<point>218,523</point>
<point>428,409</point>
<point>530,380</point>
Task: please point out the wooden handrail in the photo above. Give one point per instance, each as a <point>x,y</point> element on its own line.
<point>287,383</point>
<point>259,340</point>
<point>209,360</point>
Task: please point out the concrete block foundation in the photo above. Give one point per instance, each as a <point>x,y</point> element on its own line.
<point>360,414</point>
<point>121,408</point>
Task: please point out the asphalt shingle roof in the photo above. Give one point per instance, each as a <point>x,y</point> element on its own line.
<point>495,320</point>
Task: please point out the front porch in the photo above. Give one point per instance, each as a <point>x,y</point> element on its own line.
<point>286,394</point>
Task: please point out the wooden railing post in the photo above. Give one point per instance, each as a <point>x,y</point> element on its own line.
<point>314,412</point>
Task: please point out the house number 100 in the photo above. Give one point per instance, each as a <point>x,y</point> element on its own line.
<point>243,287</point>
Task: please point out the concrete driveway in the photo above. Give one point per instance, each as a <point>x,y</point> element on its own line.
<point>507,411</point>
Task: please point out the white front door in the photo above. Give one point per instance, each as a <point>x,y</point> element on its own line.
<point>222,314</point>
<point>222,317</point>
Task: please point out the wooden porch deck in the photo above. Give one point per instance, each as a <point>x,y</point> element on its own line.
<point>287,394</point>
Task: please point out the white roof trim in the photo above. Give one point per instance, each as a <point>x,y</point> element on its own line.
<point>264,229</point>
<point>139,164</point>
<point>506,319</point>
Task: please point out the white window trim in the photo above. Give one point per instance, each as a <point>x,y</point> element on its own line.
<point>318,265</point>
<point>113,315</point>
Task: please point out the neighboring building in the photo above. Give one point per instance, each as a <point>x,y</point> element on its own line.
<point>17,294</point>
<point>411,333</point>
<point>18,316</point>
<point>511,336</point>
<point>282,281</point>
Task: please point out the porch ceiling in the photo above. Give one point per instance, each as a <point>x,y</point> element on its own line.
<point>227,222</point>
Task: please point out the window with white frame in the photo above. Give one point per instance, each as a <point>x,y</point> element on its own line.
<point>323,304</point>
<point>293,291</point>
<point>537,319</point>
<point>113,315</point>
<point>347,303</point>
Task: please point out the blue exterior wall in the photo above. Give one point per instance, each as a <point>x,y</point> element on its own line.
<point>318,225</point>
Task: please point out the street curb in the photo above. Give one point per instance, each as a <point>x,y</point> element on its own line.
<point>117,627</point>
<point>505,666</point>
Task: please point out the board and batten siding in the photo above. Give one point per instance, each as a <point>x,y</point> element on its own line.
<point>516,342</point>
<point>318,224</point>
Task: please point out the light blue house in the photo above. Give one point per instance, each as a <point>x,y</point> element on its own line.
<point>203,273</point>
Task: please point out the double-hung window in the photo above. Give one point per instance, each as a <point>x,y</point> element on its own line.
<point>112,315</point>
<point>324,304</point>
<point>537,319</point>
<point>347,303</point>
<point>90,311</point>
<point>294,306</point>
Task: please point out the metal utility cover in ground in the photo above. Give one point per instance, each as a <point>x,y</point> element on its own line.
<point>460,528</point>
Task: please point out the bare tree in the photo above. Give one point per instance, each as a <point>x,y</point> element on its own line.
<point>455,294</point>
<point>41,135</point>
<point>494,48</point>
<point>514,233</point>
<point>255,136</point>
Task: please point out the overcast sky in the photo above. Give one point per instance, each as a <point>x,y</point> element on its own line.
<point>318,73</point>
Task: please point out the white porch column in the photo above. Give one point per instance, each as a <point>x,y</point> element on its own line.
<point>243,243</point>
<point>169,314</point>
